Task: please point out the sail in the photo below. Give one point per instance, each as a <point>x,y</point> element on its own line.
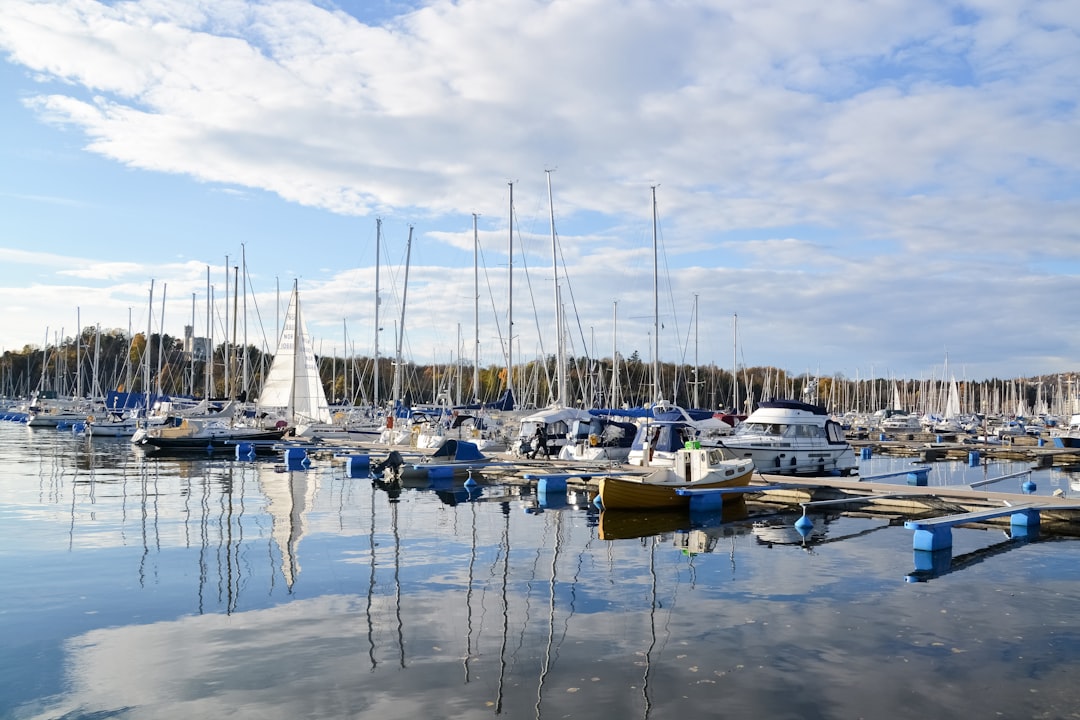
<point>293,383</point>
<point>952,405</point>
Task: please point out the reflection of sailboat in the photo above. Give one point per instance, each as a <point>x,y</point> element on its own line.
<point>289,495</point>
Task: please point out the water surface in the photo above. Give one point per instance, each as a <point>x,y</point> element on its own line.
<point>139,587</point>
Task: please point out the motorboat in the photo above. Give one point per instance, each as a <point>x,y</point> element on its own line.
<point>454,458</point>
<point>791,437</point>
<point>599,439</point>
<point>667,429</point>
<point>901,422</point>
<point>204,435</point>
<point>691,467</point>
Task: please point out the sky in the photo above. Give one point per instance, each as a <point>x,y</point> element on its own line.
<point>871,188</point>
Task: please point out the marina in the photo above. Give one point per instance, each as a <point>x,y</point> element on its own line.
<point>297,585</point>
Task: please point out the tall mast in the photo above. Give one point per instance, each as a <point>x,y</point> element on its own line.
<point>161,338</point>
<point>149,329</point>
<point>227,354</point>
<point>476,311</point>
<point>735,362</point>
<point>510,301</point>
<point>78,355</point>
<point>209,366</point>
<point>246,360</point>
<point>560,353</point>
<point>616,391</point>
<point>236,321</point>
<point>191,350</point>
<point>401,327</point>
<point>656,305</point>
<point>378,243</point>
<point>696,405</point>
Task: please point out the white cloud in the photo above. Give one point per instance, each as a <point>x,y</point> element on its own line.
<point>920,130</point>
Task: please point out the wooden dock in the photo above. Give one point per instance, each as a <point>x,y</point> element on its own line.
<point>932,448</point>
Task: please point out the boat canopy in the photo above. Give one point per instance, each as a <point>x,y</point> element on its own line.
<point>458,450</point>
<point>663,435</point>
<point>793,405</point>
<point>550,416</point>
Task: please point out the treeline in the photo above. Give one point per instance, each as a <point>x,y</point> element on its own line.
<point>111,360</point>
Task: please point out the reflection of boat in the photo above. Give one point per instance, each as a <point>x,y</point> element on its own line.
<point>290,496</point>
<point>693,468</point>
<point>623,524</point>
<point>782,531</point>
<point>789,437</point>
<point>449,495</point>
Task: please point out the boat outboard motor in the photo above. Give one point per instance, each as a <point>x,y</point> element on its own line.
<point>393,461</point>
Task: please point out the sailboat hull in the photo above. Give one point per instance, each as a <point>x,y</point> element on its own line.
<point>647,493</point>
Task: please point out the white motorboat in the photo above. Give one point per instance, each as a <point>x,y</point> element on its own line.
<point>790,437</point>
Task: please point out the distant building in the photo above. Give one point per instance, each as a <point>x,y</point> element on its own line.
<point>196,348</point>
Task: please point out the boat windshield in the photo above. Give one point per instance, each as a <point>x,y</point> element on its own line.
<point>798,430</point>
<point>758,428</point>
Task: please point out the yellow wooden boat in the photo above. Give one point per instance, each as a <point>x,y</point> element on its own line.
<point>693,467</point>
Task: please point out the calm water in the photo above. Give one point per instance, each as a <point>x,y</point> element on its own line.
<point>154,588</point>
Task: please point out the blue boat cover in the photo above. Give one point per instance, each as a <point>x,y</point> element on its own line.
<point>459,450</point>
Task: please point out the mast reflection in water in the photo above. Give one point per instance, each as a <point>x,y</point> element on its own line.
<point>139,587</point>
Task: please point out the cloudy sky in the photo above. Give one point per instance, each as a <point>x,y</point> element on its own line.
<point>870,186</point>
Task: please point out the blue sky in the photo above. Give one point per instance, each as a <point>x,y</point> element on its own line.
<point>869,185</point>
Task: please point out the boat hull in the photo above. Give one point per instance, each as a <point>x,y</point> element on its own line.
<point>787,460</point>
<point>642,493</point>
<point>217,443</point>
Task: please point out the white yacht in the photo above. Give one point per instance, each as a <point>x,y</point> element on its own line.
<point>790,437</point>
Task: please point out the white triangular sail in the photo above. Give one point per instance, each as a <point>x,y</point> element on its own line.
<point>293,383</point>
<point>952,405</point>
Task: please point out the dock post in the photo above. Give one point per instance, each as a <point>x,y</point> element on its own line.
<point>358,465</point>
<point>1024,524</point>
<point>937,537</point>
<point>918,477</point>
<point>296,459</point>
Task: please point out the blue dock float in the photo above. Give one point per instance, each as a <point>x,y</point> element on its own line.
<point>936,533</point>
<point>358,465</point>
<point>556,482</point>
<point>712,499</point>
<point>296,458</point>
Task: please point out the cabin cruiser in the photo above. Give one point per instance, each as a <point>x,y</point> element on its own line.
<point>666,430</point>
<point>790,437</point>
<point>598,439</point>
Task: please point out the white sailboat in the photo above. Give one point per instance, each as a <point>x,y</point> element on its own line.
<point>293,386</point>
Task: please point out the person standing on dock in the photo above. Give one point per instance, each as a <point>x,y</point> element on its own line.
<point>540,443</point>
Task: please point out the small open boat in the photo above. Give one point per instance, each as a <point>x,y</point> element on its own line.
<point>693,467</point>
<point>454,458</point>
